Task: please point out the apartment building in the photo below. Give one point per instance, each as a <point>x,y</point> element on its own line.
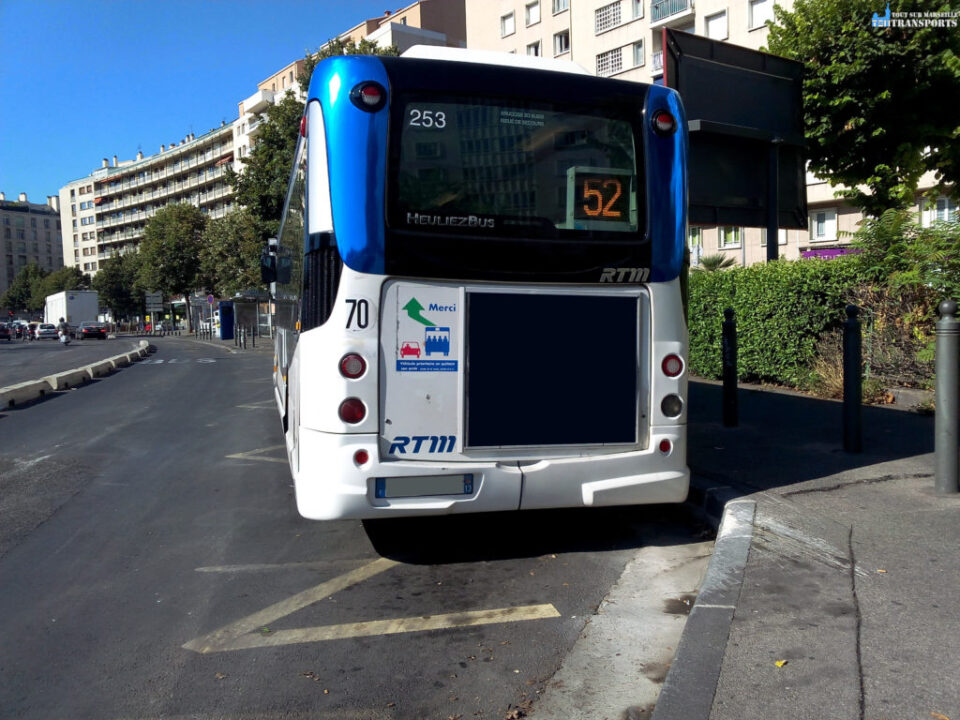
<point>249,122</point>
<point>623,40</point>
<point>105,213</point>
<point>427,22</point>
<point>30,233</point>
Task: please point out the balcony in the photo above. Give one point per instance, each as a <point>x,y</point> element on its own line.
<point>666,12</point>
<point>258,102</point>
<point>254,127</point>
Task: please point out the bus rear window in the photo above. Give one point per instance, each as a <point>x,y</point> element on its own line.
<point>500,169</point>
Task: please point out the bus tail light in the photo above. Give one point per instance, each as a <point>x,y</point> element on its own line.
<point>672,365</point>
<point>663,123</point>
<point>352,366</point>
<point>352,410</point>
<point>666,446</point>
<point>361,458</point>
<point>368,96</point>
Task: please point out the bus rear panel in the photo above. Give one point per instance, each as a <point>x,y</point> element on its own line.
<point>479,303</point>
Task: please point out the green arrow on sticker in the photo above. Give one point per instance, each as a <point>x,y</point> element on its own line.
<point>414,308</point>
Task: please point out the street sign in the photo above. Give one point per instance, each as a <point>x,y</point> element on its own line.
<point>210,299</point>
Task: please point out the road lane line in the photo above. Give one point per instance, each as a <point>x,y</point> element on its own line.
<point>260,567</point>
<point>392,627</point>
<point>219,639</point>
<point>258,455</point>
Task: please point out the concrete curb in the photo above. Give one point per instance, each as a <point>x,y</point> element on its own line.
<point>691,684</point>
<point>25,392</point>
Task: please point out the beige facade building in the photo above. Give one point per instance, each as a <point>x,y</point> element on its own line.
<point>623,39</point>
<point>427,22</point>
<point>106,212</point>
<point>30,235</point>
<point>248,123</point>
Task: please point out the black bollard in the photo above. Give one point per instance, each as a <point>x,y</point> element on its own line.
<point>947,413</point>
<point>852,382</point>
<point>731,410</point>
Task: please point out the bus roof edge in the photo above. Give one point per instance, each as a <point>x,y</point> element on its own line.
<point>491,57</point>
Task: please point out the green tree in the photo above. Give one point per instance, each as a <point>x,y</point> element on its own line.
<point>875,99</point>
<point>170,251</point>
<point>230,253</point>
<point>116,284</point>
<point>901,253</point>
<point>261,186</point>
<point>20,296</point>
<point>713,263</point>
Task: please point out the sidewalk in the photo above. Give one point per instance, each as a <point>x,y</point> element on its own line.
<point>833,591</point>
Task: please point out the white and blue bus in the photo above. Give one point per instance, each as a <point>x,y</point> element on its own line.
<point>477,299</point>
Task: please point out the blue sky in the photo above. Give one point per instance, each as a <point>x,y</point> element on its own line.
<point>82,80</point>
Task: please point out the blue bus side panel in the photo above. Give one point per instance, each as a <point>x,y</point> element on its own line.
<point>666,158</point>
<point>357,159</point>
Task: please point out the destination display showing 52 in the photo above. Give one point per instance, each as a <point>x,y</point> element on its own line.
<point>601,197</point>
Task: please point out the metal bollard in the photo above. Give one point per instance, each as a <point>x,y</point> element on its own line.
<point>852,382</point>
<point>731,410</point>
<point>946,417</point>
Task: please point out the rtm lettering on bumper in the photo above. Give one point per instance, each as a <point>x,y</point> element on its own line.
<point>401,444</point>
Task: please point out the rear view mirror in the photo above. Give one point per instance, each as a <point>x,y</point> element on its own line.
<point>268,266</point>
<point>284,269</point>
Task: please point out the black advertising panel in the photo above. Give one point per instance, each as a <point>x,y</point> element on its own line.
<point>741,105</point>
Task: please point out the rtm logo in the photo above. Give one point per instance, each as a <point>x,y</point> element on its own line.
<point>619,275</point>
<point>438,444</point>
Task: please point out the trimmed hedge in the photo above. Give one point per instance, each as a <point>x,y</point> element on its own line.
<point>781,309</point>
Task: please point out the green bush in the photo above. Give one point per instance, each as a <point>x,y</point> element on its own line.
<point>781,309</point>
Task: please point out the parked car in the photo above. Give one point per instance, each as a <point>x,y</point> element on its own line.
<point>90,329</point>
<point>46,330</point>
<point>6,332</point>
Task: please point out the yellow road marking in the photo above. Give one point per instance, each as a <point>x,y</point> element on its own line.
<point>252,631</point>
<point>257,455</point>
<point>392,627</point>
<point>218,639</point>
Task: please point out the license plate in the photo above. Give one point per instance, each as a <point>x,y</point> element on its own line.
<point>423,486</point>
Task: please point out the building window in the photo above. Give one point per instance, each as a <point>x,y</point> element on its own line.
<point>507,26</point>
<point>946,210</point>
<point>823,225</point>
<point>532,13</point>
<point>729,237</point>
<point>716,26</point>
<point>610,62</point>
<point>637,9</point>
<point>943,209</point>
<point>606,17</point>
<point>638,58</point>
<point>560,5</point>
<point>781,237</point>
<point>533,49</point>
<point>760,12</point>
<point>561,42</point>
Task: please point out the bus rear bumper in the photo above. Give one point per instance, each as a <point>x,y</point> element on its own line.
<point>634,478</point>
<point>330,485</point>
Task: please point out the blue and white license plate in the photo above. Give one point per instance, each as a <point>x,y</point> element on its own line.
<point>423,486</point>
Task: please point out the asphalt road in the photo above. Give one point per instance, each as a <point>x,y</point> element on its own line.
<point>153,565</point>
<point>23,361</point>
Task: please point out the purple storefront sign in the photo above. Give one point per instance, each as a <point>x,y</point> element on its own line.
<point>829,253</point>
